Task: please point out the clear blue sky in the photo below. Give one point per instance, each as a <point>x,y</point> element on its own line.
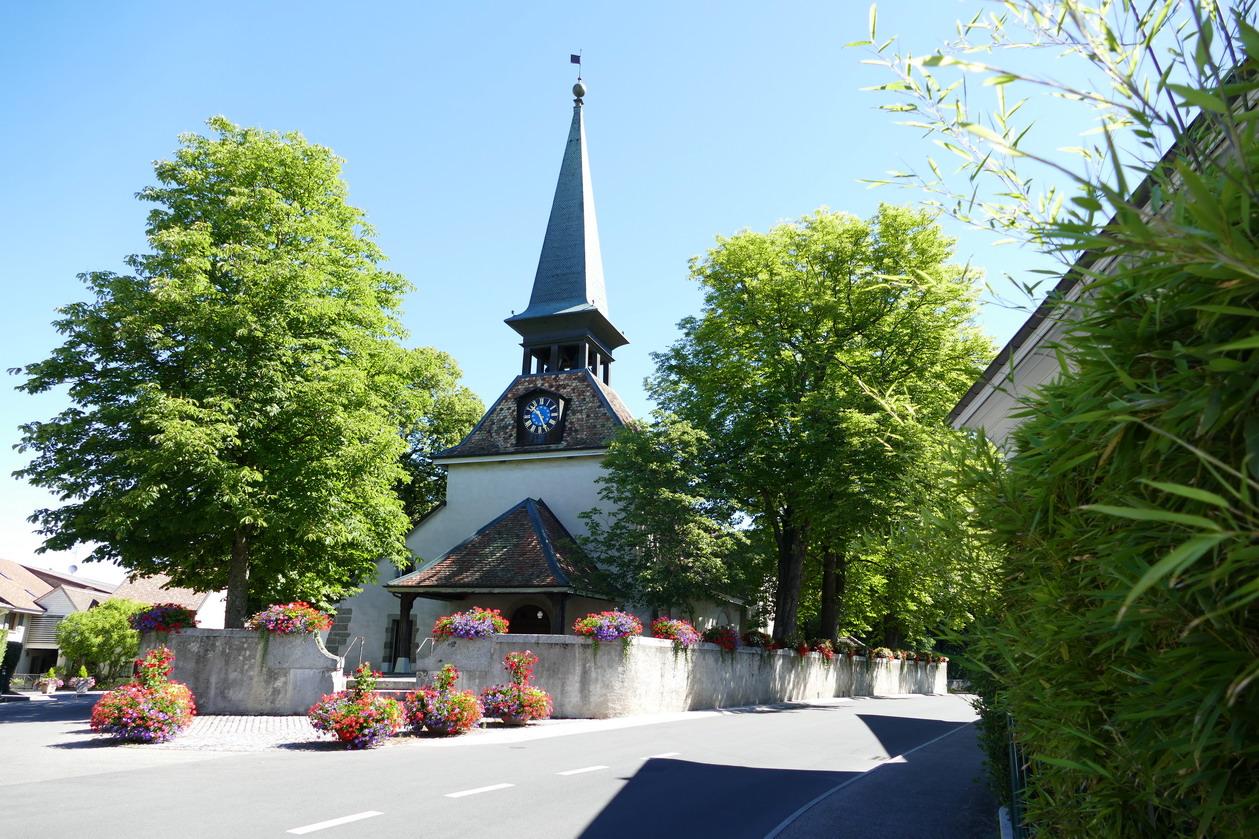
<point>703,118</point>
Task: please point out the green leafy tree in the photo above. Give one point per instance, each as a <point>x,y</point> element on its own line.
<point>1124,645</point>
<point>809,332</point>
<point>237,399</point>
<point>101,638</point>
<point>447,413</point>
<point>666,545</point>
<point>930,567</point>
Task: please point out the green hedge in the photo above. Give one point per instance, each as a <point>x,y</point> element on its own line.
<point>1128,647</point>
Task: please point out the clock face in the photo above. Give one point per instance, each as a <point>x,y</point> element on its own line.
<point>540,414</point>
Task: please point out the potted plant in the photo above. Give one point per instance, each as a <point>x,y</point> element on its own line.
<point>290,619</point>
<point>359,717</point>
<point>441,709</point>
<point>680,632</point>
<point>519,702</point>
<point>151,708</point>
<point>726,637</point>
<point>163,618</point>
<point>82,682</point>
<point>49,681</point>
<point>474,623</point>
<point>608,626</point>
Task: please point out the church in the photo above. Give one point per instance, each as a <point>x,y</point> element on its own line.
<point>517,484</point>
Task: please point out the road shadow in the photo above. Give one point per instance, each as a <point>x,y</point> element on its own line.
<point>59,709</point>
<point>669,797</point>
<point>898,735</point>
<point>930,794</point>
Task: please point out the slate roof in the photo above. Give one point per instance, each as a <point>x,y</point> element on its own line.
<point>570,267</point>
<point>523,549</point>
<point>592,415</point>
<point>154,589</point>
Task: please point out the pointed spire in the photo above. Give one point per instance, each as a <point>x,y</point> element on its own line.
<point>570,269</point>
<point>568,300</point>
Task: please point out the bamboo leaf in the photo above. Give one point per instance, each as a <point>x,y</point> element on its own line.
<point>1171,565</point>
<point>1189,492</point>
<point>1153,514</point>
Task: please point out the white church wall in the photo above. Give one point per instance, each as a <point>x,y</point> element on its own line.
<point>479,492</point>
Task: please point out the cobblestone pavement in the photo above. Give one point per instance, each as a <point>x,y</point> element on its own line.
<point>244,734</point>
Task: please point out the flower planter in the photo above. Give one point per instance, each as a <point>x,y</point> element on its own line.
<point>514,722</point>
<point>47,687</point>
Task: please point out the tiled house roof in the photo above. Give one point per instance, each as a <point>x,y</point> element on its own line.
<point>525,548</point>
<point>154,589</point>
<point>592,414</point>
<point>19,588</point>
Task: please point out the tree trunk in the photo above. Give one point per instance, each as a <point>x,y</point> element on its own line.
<point>238,581</point>
<point>834,568</point>
<point>790,542</point>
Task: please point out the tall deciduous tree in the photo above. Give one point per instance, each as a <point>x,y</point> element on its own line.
<point>808,333</point>
<point>237,398</point>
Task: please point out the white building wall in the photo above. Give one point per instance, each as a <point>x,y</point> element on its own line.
<point>478,492</point>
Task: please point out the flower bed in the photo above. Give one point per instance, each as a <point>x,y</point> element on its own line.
<point>290,619</point>
<point>474,623</point>
<point>151,709</point>
<point>359,717</point>
<point>164,617</point>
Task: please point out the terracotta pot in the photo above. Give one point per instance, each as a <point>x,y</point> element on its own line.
<point>514,721</point>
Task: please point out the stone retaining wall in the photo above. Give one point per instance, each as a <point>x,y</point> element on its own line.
<point>240,671</point>
<point>652,678</point>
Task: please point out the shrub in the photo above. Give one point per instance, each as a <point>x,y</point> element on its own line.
<point>149,709</point>
<point>164,617</point>
<point>101,637</point>
<point>680,632</point>
<point>290,619</point>
<point>726,637</point>
<point>474,623</point>
<point>881,654</point>
<point>359,717</point>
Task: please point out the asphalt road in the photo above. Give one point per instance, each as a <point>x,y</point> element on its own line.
<point>891,767</point>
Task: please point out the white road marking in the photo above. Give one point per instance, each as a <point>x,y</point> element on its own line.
<point>583,769</point>
<point>311,828</point>
<point>478,790</point>
<point>666,754</point>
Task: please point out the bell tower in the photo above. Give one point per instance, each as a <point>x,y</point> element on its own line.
<point>566,325</point>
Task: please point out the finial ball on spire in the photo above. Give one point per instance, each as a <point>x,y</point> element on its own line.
<point>579,90</point>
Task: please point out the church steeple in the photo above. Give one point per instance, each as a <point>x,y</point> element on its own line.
<point>566,325</point>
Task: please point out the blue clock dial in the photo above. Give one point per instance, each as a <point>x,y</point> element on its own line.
<point>540,415</point>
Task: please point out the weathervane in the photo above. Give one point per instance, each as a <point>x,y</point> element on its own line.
<point>579,89</point>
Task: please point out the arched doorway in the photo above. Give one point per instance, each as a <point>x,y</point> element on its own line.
<point>530,620</point>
